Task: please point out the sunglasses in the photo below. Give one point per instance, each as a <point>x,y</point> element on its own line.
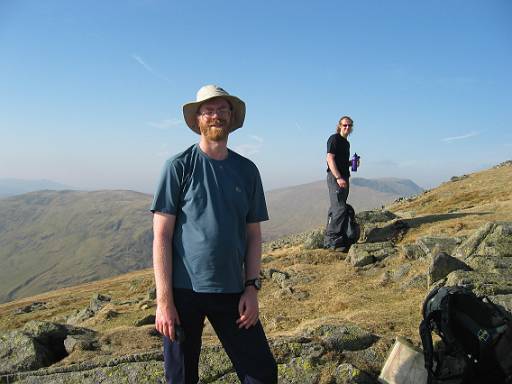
<point>347,125</point>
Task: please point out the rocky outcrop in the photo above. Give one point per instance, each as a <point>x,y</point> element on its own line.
<point>488,253</point>
<point>40,344</point>
<point>491,240</point>
<point>335,353</point>
<point>375,216</point>
<point>314,240</point>
<point>35,306</point>
<point>412,251</point>
<point>442,264</point>
<point>432,245</point>
<point>97,302</point>
<point>393,231</point>
<point>363,254</point>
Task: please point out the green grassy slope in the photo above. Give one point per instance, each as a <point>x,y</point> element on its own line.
<point>52,239</point>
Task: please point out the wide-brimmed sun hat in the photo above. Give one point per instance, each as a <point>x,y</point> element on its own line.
<point>209,92</point>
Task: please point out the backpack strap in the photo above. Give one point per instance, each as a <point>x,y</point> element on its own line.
<point>486,336</point>
<point>428,348</point>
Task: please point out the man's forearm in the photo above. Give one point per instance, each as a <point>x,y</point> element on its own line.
<point>253,255</point>
<point>162,265</point>
<point>334,169</point>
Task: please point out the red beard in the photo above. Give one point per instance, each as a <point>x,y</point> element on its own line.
<point>216,130</point>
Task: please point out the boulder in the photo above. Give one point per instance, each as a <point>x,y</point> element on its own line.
<point>482,283</point>
<point>146,320</point>
<point>345,337</point>
<point>314,240</point>
<point>80,316</point>
<point>38,344</point>
<point>348,374</point>
<point>491,264</point>
<point>279,277</point>
<point>371,359</point>
<point>375,216</point>
<point>298,370</point>
<point>412,251</point>
<point>442,264</point>
<point>368,253</point>
<point>417,281</point>
<point>213,363</point>
<point>431,245</point>
<point>84,340</point>
<point>401,271</point>
<point>35,306</point>
<point>20,352</point>
<point>492,239</point>
<point>97,302</point>
<point>390,232</point>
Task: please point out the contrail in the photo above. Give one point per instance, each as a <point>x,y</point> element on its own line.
<point>470,134</point>
<point>148,68</point>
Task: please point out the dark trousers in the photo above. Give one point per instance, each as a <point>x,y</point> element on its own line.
<point>248,349</point>
<point>337,212</point>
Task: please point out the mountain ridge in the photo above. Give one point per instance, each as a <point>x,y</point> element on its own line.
<point>51,239</point>
<point>12,186</point>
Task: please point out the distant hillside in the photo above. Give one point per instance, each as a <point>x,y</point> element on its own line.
<point>300,208</point>
<point>11,187</point>
<point>52,239</point>
<point>400,187</point>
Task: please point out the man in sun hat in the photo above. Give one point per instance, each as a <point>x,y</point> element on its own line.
<point>207,246</point>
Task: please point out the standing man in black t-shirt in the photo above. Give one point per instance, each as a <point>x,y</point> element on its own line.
<point>338,174</point>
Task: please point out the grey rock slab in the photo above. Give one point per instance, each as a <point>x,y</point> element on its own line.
<point>98,301</point>
<point>481,283</point>
<point>344,337</point>
<point>314,240</point>
<point>413,251</point>
<point>390,232</point>
<point>441,266</point>
<point>492,239</point>
<point>433,244</point>
<point>375,216</point>
<point>348,374</point>
<point>368,253</point>
<point>20,352</point>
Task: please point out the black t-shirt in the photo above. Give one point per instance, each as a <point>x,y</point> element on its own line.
<point>340,148</point>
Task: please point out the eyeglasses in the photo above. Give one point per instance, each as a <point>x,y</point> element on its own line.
<point>347,125</point>
<point>220,112</point>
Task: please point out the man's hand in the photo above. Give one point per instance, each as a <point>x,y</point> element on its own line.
<point>248,308</point>
<point>342,183</point>
<point>166,318</point>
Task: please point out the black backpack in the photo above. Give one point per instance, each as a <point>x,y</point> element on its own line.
<point>351,227</point>
<point>473,330</point>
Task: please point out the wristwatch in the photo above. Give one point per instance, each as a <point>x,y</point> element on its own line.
<point>256,283</point>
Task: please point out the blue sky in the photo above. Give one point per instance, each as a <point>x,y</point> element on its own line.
<point>91,91</point>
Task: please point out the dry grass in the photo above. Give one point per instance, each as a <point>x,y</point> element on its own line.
<point>324,287</point>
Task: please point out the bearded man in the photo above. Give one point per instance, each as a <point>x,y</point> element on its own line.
<point>207,247</point>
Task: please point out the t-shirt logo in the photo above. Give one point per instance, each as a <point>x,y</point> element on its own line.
<point>238,189</point>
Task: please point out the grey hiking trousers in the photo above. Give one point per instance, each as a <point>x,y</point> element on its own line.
<point>334,236</point>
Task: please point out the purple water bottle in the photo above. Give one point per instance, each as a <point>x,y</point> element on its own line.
<point>354,161</point>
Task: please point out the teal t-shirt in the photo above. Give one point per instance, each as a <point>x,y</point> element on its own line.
<point>213,201</point>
